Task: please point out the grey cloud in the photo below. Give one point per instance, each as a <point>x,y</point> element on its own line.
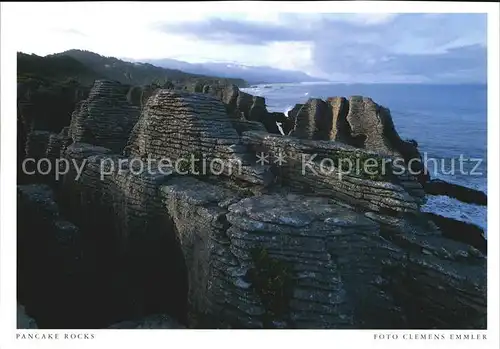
<point>437,47</point>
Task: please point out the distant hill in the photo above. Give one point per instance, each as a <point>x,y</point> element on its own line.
<point>137,73</point>
<point>56,68</point>
<point>251,74</point>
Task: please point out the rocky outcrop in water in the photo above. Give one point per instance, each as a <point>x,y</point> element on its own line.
<point>293,261</point>
<point>357,121</point>
<point>264,246</point>
<point>23,320</point>
<point>459,192</point>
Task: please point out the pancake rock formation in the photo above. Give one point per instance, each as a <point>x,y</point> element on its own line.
<point>105,118</point>
<point>233,242</point>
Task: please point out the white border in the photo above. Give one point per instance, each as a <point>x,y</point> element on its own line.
<point>244,339</point>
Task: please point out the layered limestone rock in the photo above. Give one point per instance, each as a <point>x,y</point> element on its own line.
<point>118,206</point>
<point>176,126</point>
<point>459,192</point>
<point>241,126</point>
<point>339,129</point>
<point>334,170</point>
<point>105,118</point>
<point>49,256</point>
<point>314,250</point>
<point>58,143</point>
<point>42,154</point>
<point>359,122</point>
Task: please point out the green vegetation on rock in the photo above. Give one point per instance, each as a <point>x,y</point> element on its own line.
<point>273,281</point>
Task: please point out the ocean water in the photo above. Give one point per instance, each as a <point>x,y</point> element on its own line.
<point>447,121</point>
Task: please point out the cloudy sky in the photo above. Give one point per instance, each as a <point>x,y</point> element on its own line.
<point>362,47</point>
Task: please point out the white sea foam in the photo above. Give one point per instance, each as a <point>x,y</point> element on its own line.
<point>452,208</point>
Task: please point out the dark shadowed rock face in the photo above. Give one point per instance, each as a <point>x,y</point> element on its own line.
<point>127,243</point>
<point>460,231</point>
<point>43,106</point>
<point>177,125</point>
<point>23,320</point>
<point>47,106</point>
<point>286,123</point>
<point>223,273</point>
<point>464,194</point>
<point>134,95</point>
<point>49,258</point>
<point>292,113</point>
<point>106,117</point>
<point>46,145</point>
<point>303,171</point>
<point>159,321</point>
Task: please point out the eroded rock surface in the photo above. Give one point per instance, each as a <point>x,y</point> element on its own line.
<point>23,320</point>
<point>105,118</point>
<point>293,261</point>
<point>241,105</point>
<point>305,169</point>
<point>264,247</point>
<point>177,125</point>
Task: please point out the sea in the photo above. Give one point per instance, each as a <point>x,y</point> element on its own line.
<point>449,122</point>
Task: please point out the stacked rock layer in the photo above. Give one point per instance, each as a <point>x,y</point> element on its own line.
<point>313,252</point>
<point>105,118</point>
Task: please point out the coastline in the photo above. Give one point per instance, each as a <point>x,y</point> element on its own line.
<point>276,95</point>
